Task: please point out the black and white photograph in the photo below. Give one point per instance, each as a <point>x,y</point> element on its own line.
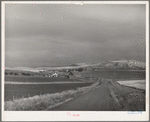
<point>75,60</point>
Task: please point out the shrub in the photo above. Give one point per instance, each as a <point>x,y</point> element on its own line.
<point>11,73</point>
<point>23,73</point>
<point>80,69</point>
<point>6,73</point>
<point>27,74</point>
<point>15,73</point>
<point>70,73</point>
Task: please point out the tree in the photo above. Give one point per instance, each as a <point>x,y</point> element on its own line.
<point>70,73</point>
<point>28,74</point>
<point>6,73</point>
<point>69,70</point>
<point>11,73</point>
<point>80,69</point>
<point>23,73</point>
<point>15,73</point>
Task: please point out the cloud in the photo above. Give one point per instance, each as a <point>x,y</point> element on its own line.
<point>106,29</point>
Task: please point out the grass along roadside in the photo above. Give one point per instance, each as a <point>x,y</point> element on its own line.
<point>130,99</point>
<point>42,102</point>
<point>60,82</point>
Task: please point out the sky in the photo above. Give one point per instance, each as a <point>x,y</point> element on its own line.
<point>63,34</point>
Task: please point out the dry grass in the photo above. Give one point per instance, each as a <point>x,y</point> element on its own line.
<point>130,99</point>
<point>42,102</point>
<point>140,84</point>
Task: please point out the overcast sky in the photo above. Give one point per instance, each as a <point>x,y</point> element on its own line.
<point>57,34</point>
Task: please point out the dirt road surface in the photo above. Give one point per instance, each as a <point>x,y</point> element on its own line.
<point>97,100</point>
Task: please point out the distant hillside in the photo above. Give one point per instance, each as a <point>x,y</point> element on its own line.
<point>74,65</point>
<point>122,64</point>
<point>108,65</point>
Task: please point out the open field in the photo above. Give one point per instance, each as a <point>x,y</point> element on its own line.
<point>140,84</point>
<point>58,82</point>
<point>130,99</point>
<point>16,91</point>
<point>43,102</point>
<point>37,79</point>
<point>117,74</point>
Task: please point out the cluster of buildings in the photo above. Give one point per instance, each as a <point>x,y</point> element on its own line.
<point>51,75</point>
<point>54,74</point>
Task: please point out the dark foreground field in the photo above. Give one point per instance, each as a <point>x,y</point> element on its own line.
<point>36,79</point>
<point>16,91</point>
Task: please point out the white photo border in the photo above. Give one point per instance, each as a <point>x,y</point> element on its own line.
<point>84,115</point>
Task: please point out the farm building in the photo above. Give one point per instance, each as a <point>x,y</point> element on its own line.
<point>54,75</point>
<point>70,73</point>
<point>63,74</point>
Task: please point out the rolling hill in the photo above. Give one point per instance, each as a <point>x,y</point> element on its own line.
<point>120,64</point>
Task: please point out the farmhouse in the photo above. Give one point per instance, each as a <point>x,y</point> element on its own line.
<point>54,75</point>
